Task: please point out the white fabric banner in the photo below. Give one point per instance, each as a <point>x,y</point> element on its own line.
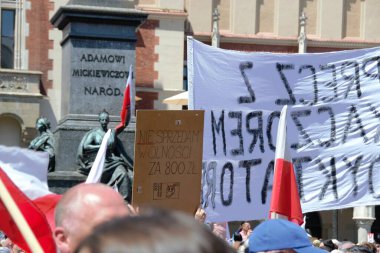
<point>27,169</point>
<point>333,127</point>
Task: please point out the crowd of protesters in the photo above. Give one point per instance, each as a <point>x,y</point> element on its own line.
<point>7,246</point>
<point>93,218</point>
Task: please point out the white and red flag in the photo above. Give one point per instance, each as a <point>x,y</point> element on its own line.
<point>32,202</point>
<point>285,202</point>
<point>98,166</point>
<point>28,170</point>
<point>127,107</point>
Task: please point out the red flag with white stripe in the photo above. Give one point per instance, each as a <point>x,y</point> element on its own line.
<point>285,201</point>
<point>24,172</point>
<point>32,215</point>
<point>126,108</point>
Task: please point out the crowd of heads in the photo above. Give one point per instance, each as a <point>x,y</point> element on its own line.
<point>81,209</point>
<point>93,218</point>
<point>153,231</point>
<point>335,246</point>
<point>7,246</point>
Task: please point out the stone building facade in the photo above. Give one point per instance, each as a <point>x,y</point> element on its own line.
<point>31,58</point>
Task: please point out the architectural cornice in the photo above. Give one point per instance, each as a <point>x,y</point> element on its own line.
<point>88,14</point>
<point>155,13</point>
<point>20,71</point>
<point>268,39</point>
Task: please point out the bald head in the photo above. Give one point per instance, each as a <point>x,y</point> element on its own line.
<point>82,208</point>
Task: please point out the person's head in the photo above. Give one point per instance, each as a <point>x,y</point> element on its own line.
<point>279,234</point>
<point>8,243</point>
<point>316,243</point>
<point>344,245</point>
<point>17,249</point>
<point>42,124</point>
<point>328,245</point>
<point>153,231</point>
<point>370,246</point>
<point>359,249</point>
<point>245,226</point>
<point>104,119</point>
<point>80,209</point>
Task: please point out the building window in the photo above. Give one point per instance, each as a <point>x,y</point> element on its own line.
<point>11,33</point>
<point>10,131</point>
<point>7,38</point>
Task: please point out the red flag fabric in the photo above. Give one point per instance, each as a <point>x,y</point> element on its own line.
<point>125,109</point>
<point>28,170</point>
<point>47,205</point>
<point>285,201</point>
<point>32,214</point>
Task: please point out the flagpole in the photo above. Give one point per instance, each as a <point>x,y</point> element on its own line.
<point>19,219</point>
<point>133,93</point>
<point>274,215</point>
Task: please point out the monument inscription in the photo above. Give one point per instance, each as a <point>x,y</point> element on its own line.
<point>98,75</point>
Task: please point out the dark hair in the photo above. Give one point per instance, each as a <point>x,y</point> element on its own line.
<point>359,249</point>
<point>241,224</point>
<point>154,231</point>
<point>370,246</point>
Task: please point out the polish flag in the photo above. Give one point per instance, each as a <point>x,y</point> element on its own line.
<point>26,202</point>
<point>28,170</point>
<point>127,106</point>
<point>285,201</point>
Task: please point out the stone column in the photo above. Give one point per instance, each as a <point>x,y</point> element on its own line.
<point>302,39</point>
<point>215,40</point>
<point>364,216</point>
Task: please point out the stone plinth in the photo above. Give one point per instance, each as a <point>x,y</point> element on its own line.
<point>98,46</point>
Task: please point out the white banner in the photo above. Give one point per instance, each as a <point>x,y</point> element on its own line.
<point>333,122</point>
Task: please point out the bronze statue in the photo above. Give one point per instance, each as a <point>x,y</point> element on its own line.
<point>118,167</point>
<point>44,141</point>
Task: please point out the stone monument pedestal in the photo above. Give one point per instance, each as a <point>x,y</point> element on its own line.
<point>98,47</point>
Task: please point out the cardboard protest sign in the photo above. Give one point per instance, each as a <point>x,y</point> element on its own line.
<point>168,159</point>
<point>332,127</point>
